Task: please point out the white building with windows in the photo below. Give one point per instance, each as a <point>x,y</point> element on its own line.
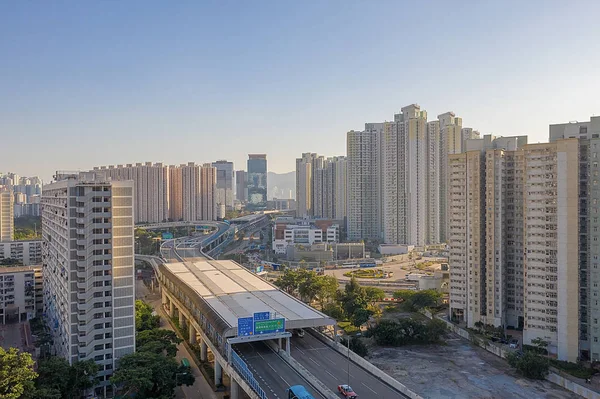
<point>20,293</point>
<point>27,253</point>
<point>88,269</point>
<point>303,234</point>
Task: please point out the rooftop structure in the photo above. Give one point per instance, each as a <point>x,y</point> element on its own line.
<point>223,291</point>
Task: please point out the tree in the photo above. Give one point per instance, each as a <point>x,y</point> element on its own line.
<point>327,288</point>
<point>57,376</point>
<point>288,282</point>
<point>529,364</point>
<point>16,373</point>
<point>361,316</point>
<point>158,341</point>
<point>436,329</point>
<point>373,295</point>
<point>334,310</point>
<point>540,344</point>
<point>149,375</point>
<point>144,317</point>
<point>425,299</point>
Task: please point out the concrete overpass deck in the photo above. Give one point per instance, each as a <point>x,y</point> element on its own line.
<point>226,291</point>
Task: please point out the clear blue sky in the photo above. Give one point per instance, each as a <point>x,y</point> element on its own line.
<point>86,83</point>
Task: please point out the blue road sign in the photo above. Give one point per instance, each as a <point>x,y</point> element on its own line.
<point>245,326</point>
<point>262,316</point>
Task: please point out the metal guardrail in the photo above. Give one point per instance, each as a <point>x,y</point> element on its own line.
<point>242,368</point>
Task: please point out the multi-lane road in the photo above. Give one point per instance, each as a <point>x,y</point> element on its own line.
<point>273,374</point>
<point>331,368</point>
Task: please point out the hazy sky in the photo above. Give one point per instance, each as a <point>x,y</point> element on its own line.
<point>87,83</point>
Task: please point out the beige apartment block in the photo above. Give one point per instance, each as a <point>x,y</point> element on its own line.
<point>88,269</point>
<point>7,227</point>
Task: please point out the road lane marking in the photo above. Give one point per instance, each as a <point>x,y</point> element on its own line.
<point>369,388</point>
<point>329,360</point>
<point>312,360</point>
<point>327,371</point>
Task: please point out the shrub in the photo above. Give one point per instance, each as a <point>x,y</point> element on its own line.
<point>529,364</point>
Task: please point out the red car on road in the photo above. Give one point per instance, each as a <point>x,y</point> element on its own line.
<point>347,391</point>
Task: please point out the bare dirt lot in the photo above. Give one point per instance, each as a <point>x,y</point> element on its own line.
<point>459,370</point>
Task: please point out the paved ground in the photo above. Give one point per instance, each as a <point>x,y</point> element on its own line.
<point>459,370</point>
<point>11,336</point>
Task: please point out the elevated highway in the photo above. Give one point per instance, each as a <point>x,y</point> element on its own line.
<point>208,297</point>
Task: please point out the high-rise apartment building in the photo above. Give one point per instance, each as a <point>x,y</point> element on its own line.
<point>7,225</point>
<point>193,192</point>
<point>257,182</point>
<point>588,134</point>
<point>321,186</point>
<point>241,185</point>
<point>151,185</point>
<point>364,183</point>
<point>450,143</point>
<point>88,269</point>
<point>225,190</point>
<point>513,237</point>
<point>405,185</point>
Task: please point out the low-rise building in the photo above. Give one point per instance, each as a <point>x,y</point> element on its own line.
<point>20,293</point>
<point>288,231</point>
<point>25,253</point>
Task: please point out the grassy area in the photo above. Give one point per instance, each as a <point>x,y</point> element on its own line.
<point>367,273</point>
<point>575,369</point>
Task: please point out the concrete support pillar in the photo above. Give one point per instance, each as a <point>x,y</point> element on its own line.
<point>279,344</point>
<point>218,373</point>
<point>163,299</point>
<point>171,308</point>
<point>203,351</point>
<point>235,390</point>
<point>192,333</point>
<point>287,345</point>
<point>181,320</point>
<point>335,333</point>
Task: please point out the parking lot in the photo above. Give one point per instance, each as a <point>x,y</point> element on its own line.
<point>459,370</point>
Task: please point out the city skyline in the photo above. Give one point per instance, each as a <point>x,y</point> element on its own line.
<point>73,74</point>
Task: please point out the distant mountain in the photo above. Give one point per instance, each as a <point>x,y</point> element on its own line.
<point>280,184</point>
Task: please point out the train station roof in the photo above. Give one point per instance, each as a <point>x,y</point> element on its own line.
<point>225,291</point>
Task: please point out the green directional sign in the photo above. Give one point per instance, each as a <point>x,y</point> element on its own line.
<point>269,326</point>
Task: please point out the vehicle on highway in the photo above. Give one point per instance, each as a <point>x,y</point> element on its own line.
<point>347,391</point>
<point>299,392</point>
<point>299,332</point>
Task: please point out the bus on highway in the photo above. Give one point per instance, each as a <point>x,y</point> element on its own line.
<point>299,392</point>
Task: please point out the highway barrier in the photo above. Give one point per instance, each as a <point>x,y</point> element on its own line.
<point>366,365</point>
<point>242,368</point>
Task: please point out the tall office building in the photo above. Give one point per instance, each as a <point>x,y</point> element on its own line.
<point>88,269</point>
<point>151,185</point>
<point>514,245</point>
<point>7,227</point>
<point>364,183</point>
<point>225,190</point>
<point>588,134</point>
<point>257,182</point>
<point>241,185</point>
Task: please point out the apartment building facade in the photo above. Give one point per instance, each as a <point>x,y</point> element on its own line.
<point>151,186</point>
<point>241,186</point>
<point>225,189</point>
<point>26,253</point>
<point>20,293</point>
<point>364,183</point>
<point>7,226</point>
<point>588,134</point>
<point>88,269</point>
<point>257,182</point>
<point>513,236</point>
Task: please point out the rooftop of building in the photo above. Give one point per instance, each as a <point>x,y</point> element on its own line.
<point>19,269</point>
<point>225,291</point>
